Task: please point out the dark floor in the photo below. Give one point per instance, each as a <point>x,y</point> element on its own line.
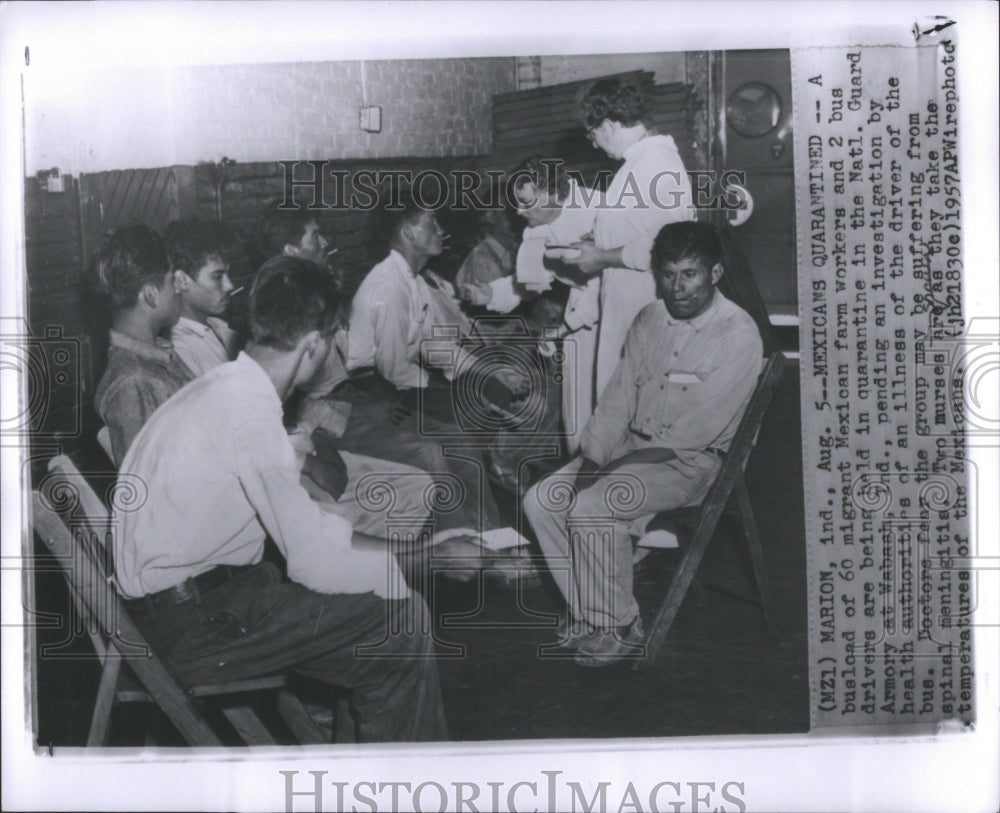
<point>719,672</point>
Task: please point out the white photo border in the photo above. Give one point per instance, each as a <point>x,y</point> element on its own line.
<point>949,771</point>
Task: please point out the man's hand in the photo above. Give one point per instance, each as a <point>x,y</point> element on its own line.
<point>518,383</point>
<point>592,260</point>
<point>476,293</point>
<point>326,468</point>
<point>641,456</point>
<point>590,472</point>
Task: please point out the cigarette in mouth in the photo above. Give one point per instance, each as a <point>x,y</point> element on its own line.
<point>236,291</point>
<point>331,251</point>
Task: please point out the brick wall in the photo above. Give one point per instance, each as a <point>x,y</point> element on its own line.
<point>247,189</point>
<point>61,313</point>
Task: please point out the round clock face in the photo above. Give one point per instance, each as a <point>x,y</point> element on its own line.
<point>753,109</point>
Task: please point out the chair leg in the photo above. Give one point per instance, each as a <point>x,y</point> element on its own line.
<point>756,552</point>
<point>248,725</point>
<point>101,718</point>
<point>675,593</point>
<point>699,593</point>
<point>344,730</point>
<point>298,720</point>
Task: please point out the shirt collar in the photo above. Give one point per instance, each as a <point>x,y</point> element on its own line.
<point>701,319</point>
<point>398,262</point>
<point>161,352</point>
<point>191,326</point>
<point>646,142</point>
<point>255,373</point>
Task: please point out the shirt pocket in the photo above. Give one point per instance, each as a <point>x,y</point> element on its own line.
<point>419,328</point>
<point>680,394</point>
<point>684,393</point>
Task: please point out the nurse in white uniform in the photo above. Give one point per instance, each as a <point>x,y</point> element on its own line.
<point>649,190</point>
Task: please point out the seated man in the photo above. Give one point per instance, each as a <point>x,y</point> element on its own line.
<point>205,341</point>
<point>670,410</point>
<point>372,424</point>
<point>393,347</point>
<point>131,268</point>
<point>480,278</point>
<point>396,310</point>
<point>221,476</point>
<point>201,337</point>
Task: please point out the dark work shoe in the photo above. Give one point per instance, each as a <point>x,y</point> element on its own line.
<point>606,647</point>
<point>571,632</point>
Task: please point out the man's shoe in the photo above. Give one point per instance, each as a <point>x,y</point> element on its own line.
<point>606,647</point>
<point>570,633</point>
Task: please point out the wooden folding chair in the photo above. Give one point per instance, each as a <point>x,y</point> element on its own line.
<point>73,523</point>
<point>728,483</point>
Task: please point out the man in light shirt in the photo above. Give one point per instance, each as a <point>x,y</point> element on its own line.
<point>221,476</point>
<point>204,341</point>
<point>405,347</point>
<point>365,418</point>
<point>409,329</point>
<point>655,441</point>
<point>131,269</point>
<point>201,337</point>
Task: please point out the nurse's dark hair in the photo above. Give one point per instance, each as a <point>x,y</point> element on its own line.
<point>610,99</point>
<point>686,240</point>
<point>290,298</point>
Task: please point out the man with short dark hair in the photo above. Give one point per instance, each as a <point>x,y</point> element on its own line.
<point>654,442</point>
<point>201,337</point>
<point>205,341</point>
<point>292,231</point>
<point>367,418</point>
<point>396,310</point>
<point>406,341</point>
<point>131,268</point>
<point>221,476</point>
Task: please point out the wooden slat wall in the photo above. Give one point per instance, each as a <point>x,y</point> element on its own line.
<point>63,228</point>
<point>545,121</point>
<point>153,196</point>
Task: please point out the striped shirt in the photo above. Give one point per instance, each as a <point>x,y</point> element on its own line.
<point>139,377</point>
